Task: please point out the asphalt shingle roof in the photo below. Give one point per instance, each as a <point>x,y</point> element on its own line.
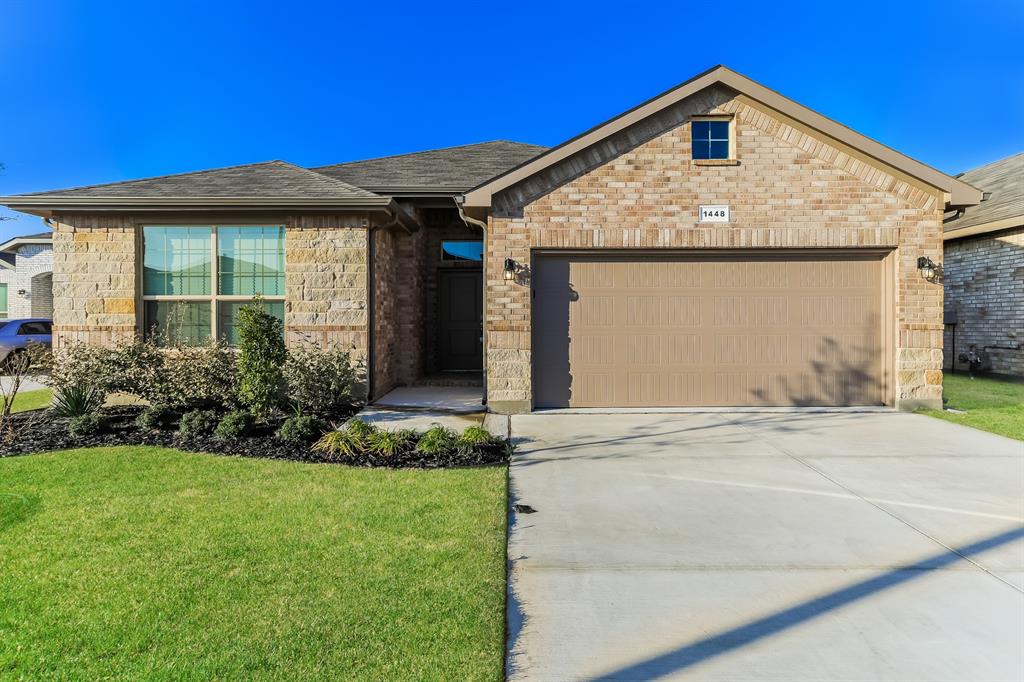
<point>1004,179</point>
<point>453,169</point>
<point>269,179</point>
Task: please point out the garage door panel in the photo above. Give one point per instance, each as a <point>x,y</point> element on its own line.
<point>739,330</point>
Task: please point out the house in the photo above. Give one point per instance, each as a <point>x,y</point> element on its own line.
<point>26,276</point>
<point>719,244</point>
<point>983,271</point>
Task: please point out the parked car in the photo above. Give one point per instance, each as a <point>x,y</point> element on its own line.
<point>16,335</point>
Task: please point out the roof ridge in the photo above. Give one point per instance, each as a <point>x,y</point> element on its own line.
<point>426,151</point>
<point>160,177</point>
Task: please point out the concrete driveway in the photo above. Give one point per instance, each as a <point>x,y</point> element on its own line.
<point>765,546</point>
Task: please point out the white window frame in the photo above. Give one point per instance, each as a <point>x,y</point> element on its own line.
<point>213,298</point>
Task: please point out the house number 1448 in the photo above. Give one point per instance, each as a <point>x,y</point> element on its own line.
<point>713,214</point>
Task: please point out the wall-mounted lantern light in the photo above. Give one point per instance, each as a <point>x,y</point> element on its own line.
<point>510,270</point>
<point>21,292</point>
<point>927,268</point>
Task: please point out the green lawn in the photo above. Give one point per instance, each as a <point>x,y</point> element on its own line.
<point>990,404</point>
<point>32,400</point>
<point>151,563</point>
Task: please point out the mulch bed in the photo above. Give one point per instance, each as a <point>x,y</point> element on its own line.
<point>42,431</point>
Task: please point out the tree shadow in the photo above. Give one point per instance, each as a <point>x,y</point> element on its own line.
<point>724,642</point>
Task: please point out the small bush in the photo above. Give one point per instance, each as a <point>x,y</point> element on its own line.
<point>301,429</point>
<point>85,425</point>
<point>437,441</point>
<point>261,355</point>
<point>473,437</point>
<point>198,423</point>
<point>324,383</point>
<point>391,443</point>
<point>75,400</point>
<point>338,443</point>
<point>234,425</point>
<point>156,417</point>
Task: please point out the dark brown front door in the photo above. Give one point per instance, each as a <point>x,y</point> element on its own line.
<point>461,320</point>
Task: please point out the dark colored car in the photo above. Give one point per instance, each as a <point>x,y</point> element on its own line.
<point>16,335</point>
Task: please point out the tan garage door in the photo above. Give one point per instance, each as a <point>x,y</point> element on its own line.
<point>657,331</point>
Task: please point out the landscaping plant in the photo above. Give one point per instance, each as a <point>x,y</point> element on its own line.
<point>20,366</point>
<point>74,400</point>
<point>301,429</point>
<point>473,437</point>
<point>234,425</point>
<point>198,423</point>
<point>85,425</point>
<point>391,443</point>
<point>324,383</point>
<point>261,356</point>
<point>437,440</point>
<point>156,417</point>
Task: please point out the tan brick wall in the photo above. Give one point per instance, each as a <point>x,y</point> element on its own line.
<point>789,190</point>
<point>984,282</point>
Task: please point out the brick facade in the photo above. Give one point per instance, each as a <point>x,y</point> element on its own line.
<point>32,273</point>
<point>789,189</point>
<point>984,282</point>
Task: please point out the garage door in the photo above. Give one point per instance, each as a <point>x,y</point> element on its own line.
<point>657,331</point>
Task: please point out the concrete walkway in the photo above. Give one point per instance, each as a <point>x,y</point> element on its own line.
<point>765,546</point>
<point>419,408</point>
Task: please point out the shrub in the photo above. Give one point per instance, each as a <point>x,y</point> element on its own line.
<point>323,383</point>
<point>78,364</point>
<point>261,356</point>
<point>391,443</point>
<point>198,423</point>
<point>75,400</point>
<point>437,440</point>
<point>85,425</point>
<point>198,377</point>
<point>473,437</point>
<point>156,417</point>
<point>301,429</point>
<point>234,425</point>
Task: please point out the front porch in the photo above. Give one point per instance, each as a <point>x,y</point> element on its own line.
<point>426,303</point>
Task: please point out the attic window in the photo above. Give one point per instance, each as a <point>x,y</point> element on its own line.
<point>711,138</point>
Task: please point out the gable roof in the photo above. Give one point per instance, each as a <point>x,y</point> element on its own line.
<point>1003,183</point>
<point>960,193</point>
<point>270,183</point>
<point>15,242</point>
<point>448,170</point>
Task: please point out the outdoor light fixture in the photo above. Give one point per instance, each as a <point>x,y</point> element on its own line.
<point>927,268</point>
<point>510,269</point>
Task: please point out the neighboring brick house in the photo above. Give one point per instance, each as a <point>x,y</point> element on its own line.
<point>983,271</point>
<point>26,276</point>
<point>716,245</point>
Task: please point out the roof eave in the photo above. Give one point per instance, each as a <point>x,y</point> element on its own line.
<point>982,228</point>
<point>958,192</point>
<point>29,204</point>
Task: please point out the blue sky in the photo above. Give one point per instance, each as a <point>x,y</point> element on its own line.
<point>105,91</point>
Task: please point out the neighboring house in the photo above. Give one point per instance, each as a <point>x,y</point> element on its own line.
<point>26,276</point>
<point>983,271</point>
<point>717,245</point>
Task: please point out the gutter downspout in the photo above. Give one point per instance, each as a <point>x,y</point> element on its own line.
<point>483,313</point>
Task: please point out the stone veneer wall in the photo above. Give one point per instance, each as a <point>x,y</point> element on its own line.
<point>984,281</point>
<point>94,279</point>
<point>790,189</point>
<point>385,339</point>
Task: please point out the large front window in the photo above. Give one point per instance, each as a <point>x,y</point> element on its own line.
<point>196,277</point>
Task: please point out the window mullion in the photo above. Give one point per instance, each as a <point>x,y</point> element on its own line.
<point>213,291</point>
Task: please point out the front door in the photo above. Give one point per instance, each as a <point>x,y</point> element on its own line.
<point>461,323</point>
